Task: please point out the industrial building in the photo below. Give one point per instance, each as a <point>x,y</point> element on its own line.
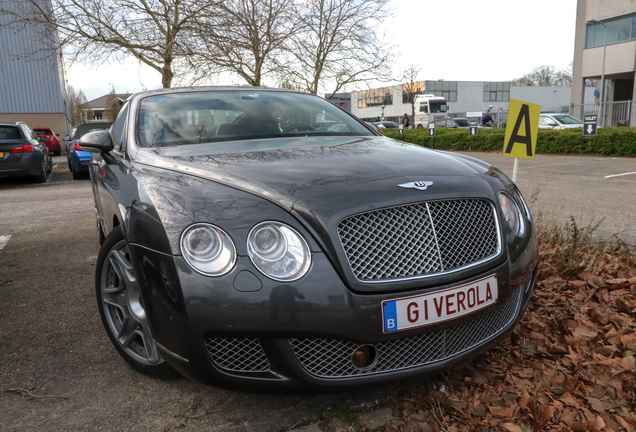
<point>465,98</point>
<point>33,86</point>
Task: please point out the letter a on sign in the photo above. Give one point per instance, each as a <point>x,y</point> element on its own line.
<point>522,128</point>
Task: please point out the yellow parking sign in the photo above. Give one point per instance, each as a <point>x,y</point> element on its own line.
<point>522,129</point>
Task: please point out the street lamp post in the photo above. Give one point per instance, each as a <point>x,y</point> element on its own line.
<point>602,122</point>
<point>383,106</point>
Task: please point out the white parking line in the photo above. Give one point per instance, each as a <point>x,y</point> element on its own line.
<point>3,241</point>
<point>618,175</point>
<point>562,163</point>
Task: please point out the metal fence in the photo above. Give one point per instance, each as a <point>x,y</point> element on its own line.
<point>613,113</point>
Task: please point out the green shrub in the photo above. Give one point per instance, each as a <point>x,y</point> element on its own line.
<point>609,141</point>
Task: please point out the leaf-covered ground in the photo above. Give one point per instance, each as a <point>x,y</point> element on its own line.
<point>569,366</point>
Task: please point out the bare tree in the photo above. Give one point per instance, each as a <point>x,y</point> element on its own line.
<point>244,37</point>
<point>156,32</point>
<point>546,76</point>
<point>78,105</point>
<point>339,45</point>
<point>412,87</point>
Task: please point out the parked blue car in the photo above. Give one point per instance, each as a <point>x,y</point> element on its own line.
<point>78,159</point>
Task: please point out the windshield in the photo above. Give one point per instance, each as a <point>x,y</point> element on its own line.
<point>566,119</point>
<point>438,107</point>
<point>462,122</point>
<point>210,116</point>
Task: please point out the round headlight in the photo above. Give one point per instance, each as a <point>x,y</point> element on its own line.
<point>208,249</point>
<point>278,251</point>
<point>511,213</point>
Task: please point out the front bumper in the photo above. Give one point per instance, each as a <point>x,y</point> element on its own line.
<point>245,329</point>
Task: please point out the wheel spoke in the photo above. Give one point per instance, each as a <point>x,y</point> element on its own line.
<point>149,343</point>
<point>122,267</point>
<point>116,300</point>
<point>128,330</point>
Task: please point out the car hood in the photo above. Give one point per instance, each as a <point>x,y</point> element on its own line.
<point>290,171</point>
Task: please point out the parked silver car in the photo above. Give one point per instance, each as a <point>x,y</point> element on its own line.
<point>558,121</point>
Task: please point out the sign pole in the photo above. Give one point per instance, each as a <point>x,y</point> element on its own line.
<point>514,170</point>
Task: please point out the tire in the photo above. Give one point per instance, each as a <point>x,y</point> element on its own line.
<point>121,308</point>
<point>50,167</point>
<point>41,177</point>
<point>58,152</point>
<point>77,175</point>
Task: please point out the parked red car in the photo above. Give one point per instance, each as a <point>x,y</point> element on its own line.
<point>49,139</point>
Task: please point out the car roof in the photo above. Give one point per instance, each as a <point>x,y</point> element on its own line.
<point>173,90</point>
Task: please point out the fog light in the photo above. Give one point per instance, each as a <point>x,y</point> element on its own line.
<point>364,357</point>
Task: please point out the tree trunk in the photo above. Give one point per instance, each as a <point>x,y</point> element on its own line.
<point>166,74</point>
<point>413,112</point>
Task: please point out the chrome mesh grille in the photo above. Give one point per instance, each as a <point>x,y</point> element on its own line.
<point>328,358</point>
<point>238,355</point>
<point>419,239</point>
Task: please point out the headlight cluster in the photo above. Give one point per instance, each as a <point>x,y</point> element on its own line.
<point>512,213</point>
<point>208,249</point>
<point>276,249</point>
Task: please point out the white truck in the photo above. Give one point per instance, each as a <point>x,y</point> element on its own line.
<point>426,106</point>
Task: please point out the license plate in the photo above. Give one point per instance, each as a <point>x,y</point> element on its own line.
<point>426,309</point>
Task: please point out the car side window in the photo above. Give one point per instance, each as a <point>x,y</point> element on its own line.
<point>28,133</point>
<point>119,126</point>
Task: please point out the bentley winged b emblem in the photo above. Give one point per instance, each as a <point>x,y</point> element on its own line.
<point>419,185</point>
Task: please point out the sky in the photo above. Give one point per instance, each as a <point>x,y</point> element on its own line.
<point>459,40</point>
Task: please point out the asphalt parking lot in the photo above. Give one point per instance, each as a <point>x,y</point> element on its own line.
<point>588,188</point>
<point>53,344</point>
<point>54,347</point>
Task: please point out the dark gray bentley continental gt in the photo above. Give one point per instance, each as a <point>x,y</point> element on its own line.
<point>268,238</point>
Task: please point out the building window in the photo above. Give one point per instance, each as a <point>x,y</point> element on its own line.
<point>496,92</point>
<point>411,90</point>
<point>445,89</point>
<point>375,97</point>
<point>621,29</point>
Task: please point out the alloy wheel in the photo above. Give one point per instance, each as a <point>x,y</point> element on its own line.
<point>123,308</point>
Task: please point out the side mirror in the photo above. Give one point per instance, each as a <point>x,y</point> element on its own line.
<point>66,138</point>
<point>97,142</point>
<point>552,124</point>
<point>57,135</point>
